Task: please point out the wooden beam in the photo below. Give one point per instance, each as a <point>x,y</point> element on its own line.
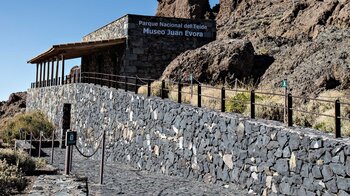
<point>62,78</point>
<point>36,75</point>
<point>57,68</point>
<point>41,74</point>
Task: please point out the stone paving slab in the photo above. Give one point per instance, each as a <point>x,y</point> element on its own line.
<point>59,185</point>
<point>120,179</point>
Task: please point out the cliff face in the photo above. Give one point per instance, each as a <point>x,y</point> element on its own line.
<point>15,104</point>
<point>307,40</point>
<point>196,9</point>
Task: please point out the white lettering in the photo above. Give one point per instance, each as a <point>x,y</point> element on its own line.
<point>149,31</point>
<point>174,33</point>
<point>170,25</point>
<point>148,24</point>
<point>193,34</point>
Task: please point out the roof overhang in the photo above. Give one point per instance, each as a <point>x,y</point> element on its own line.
<point>75,50</point>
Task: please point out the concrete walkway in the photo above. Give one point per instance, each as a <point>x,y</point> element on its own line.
<point>120,179</point>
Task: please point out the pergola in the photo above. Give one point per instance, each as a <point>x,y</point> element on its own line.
<point>59,53</point>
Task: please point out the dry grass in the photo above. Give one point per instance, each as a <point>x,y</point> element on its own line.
<point>13,166</point>
<point>240,103</point>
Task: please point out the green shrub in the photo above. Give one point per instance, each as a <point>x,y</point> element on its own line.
<point>239,102</point>
<point>19,158</point>
<point>31,122</point>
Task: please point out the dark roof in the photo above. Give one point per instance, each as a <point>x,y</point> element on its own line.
<point>75,50</point>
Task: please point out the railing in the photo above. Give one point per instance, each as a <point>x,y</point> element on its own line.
<point>128,83</point>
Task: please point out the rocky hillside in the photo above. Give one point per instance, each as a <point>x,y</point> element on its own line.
<point>15,104</point>
<point>304,41</point>
<point>183,9</point>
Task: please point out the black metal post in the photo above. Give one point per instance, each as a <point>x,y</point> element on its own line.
<point>223,99</point>
<point>252,104</point>
<point>136,86</point>
<point>199,95</point>
<point>290,110</point>
<point>71,158</point>
<point>149,88</point>
<point>102,156</point>
<point>125,83</point>
<point>162,90</point>
<point>337,119</point>
<point>67,161</point>
<point>179,89</point>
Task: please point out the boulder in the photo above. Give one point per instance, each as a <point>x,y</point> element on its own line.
<point>215,63</point>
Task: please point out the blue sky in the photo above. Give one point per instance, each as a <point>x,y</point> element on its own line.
<point>29,28</point>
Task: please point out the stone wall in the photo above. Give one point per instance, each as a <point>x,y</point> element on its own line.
<point>177,139</point>
<point>114,30</point>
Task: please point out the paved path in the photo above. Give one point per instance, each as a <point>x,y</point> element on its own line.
<point>120,179</point>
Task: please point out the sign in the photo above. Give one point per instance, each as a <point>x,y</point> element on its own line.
<point>66,116</point>
<point>173,29</point>
<point>284,83</point>
<point>281,84</point>
<point>71,138</point>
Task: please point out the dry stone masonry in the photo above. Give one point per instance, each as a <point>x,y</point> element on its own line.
<point>177,139</point>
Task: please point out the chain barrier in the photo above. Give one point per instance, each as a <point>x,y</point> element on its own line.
<point>95,151</point>
<point>141,80</point>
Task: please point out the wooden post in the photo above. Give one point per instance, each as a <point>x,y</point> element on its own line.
<point>57,68</point>
<point>41,74</point>
<point>52,146</point>
<point>62,82</point>
<point>48,74</point>
<point>36,75</point>
<point>52,73</point>
<point>40,141</point>
<point>44,74</point>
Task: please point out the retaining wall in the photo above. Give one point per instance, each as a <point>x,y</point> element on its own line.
<point>177,139</point>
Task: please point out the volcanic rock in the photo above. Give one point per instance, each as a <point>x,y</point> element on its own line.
<point>195,9</point>
<point>214,63</point>
<point>15,104</point>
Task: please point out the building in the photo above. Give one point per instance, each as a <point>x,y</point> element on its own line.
<point>132,45</point>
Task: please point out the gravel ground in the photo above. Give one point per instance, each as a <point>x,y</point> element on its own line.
<point>120,179</point>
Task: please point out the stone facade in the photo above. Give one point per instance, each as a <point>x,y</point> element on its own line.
<point>153,42</point>
<point>114,30</point>
<point>177,139</point>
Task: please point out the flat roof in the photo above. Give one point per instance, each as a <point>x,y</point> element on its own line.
<point>75,50</point>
